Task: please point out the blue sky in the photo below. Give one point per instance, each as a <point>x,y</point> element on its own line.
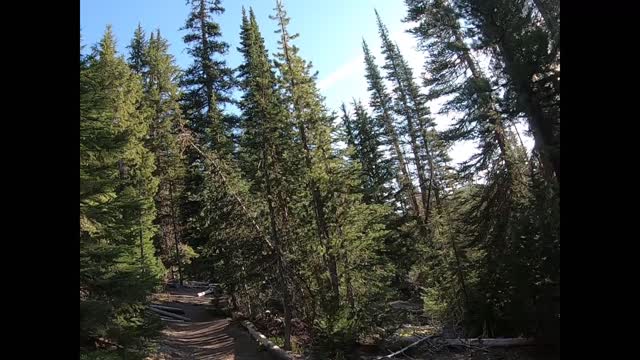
<point>331,33</point>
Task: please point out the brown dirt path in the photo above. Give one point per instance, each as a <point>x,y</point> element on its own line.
<point>205,338</point>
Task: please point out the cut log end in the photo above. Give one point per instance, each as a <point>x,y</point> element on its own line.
<point>203,293</point>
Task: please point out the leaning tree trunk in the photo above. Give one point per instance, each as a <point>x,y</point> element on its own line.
<point>175,235</point>
<point>542,125</point>
<point>278,250</point>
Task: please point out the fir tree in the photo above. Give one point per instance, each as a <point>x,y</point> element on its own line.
<point>207,84</point>
<point>314,129</point>
<point>527,62</point>
<point>376,171</point>
<point>382,105</point>
<point>137,51</point>
<point>266,143</point>
<point>411,107</point>
<point>118,264</point>
<point>495,217</point>
<point>449,62</point>
<point>349,231</point>
<point>349,131</point>
<point>161,98</point>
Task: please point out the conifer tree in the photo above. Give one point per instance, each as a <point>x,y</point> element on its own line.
<point>267,143</point>
<point>493,221</point>
<point>349,231</point>
<point>137,51</point>
<point>528,61</point>
<point>151,59</point>
<point>349,132</point>
<point>449,62</point>
<point>207,84</point>
<point>412,108</point>
<point>314,128</point>
<point>382,105</point>
<point>376,171</point>
<point>118,267</point>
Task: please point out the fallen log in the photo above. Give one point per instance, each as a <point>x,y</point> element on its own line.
<point>506,342</point>
<point>168,314</point>
<point>264,341</point>
<point>196,284</point>
<point>168,308</point>
<point>405,348</point>
<point>104,341</point>
<point>491,342</point>
<point>406,306</point>
<point>203,293</point>
<point>172,320</point>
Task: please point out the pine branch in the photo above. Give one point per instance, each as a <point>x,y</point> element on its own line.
<point>187,140</point>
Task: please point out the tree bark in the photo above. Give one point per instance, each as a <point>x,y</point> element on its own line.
<point>175,234</point>
<point>278,246</point>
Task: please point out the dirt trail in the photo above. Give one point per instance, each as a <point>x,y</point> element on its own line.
<point>205,338</point>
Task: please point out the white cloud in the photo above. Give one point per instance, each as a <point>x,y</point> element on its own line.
<point>352,68</point>
<point>408,48</point>
<point>348,81</point>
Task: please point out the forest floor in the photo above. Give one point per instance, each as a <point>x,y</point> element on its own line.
<point>206,337</point>
<point>211,337</point>
<point>488,354</point>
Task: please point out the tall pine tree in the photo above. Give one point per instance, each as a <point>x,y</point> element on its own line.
<point>118,266</point>
<point>207,84</point>
<point>314,131</point>
<point>266,143</point>
<point>151,59</point>
<point>382,104</point>
<point>347,233</point>
<point>494,216</point>
<point>526,56</point>
<point>364,134</point>
<point>410,105</point>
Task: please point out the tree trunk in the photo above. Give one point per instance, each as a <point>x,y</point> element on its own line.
<point>546,143</point>
<point>493,115</point>
<point>205,60</point>
<point>278,249</point>
<point>459,271</point>
<point>246,291</point>
<point>175,234</point>
<point>404,178</point>
<point>550,11</point>
<point>142,267</point>
<point>350,297</point>
<point>413,139</point>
